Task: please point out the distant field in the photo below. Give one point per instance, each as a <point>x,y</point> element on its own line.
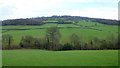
<point>29,27</point>
<point>67,25</point>
<point>85,33</point>
<point>86,23</point>
<point>60,58</point>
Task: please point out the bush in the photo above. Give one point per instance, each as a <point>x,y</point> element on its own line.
<point>31,42</point>
<point>40,43</point>
<point>67,46</point>
<point>27,42</point>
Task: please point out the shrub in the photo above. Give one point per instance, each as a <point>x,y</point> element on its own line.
<point>27,42</point>
<point>67,46</point>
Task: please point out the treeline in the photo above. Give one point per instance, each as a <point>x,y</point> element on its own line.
<point>78,18</point>
<point>22,22</point>
<point>31,22</point>
<point>108,22</point>
<point>51,41</point>
<point>60,20</point>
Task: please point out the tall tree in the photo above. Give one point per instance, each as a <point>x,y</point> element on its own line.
<point>75,41</point>
<point>112,41</point>
<point>7,41</point>
<point>53,38</point>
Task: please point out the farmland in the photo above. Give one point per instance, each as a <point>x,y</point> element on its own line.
<point>85,32</point>
<point>60,58</point>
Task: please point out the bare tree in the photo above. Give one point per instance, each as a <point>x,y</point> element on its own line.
<point>53,38</point>
<point>27,42</point>
<point>75,41</point>
<point>7,41</point>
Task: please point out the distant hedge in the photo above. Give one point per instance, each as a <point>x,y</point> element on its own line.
<point>22,22</point>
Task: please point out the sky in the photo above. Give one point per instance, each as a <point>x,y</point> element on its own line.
<point>14,9</point>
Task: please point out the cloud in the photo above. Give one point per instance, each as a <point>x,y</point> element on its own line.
<point>10,9</point>
<point>106,13</point>
<point>25,8</point>
<point>108,1</point>
<point>6,11</point>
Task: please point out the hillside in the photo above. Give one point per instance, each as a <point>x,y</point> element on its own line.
<point>57,19</point>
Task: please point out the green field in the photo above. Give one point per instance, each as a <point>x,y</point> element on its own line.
<point>60,58</point>
<point>0,58</point>
<point>85,33</point>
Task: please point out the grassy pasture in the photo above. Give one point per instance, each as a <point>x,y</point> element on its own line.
<point>41,26</point>
<point>86,23</point>
<point>0,57</point>
<point>67,25</point>
<point>60,58</point>
<point>31,57</point>
<point>10,27</point>
<point>28,27</point>
<point>84,33</point>
<point>110,28</point>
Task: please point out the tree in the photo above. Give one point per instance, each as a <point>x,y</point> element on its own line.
<point>61,20</point>
<point>112,41</point>
<point>76,22</point>
<point>104,44</point>
<point>75,41</point>
<point>67,46</point>
<point>118,42</point>
<point>96,43</point>
<point>27,42</point>
<point>38,43</point>
<point>7,41</point>
<point>95,24</point>
<point>53,37</point>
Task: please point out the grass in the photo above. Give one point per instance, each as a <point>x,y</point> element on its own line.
<point>12,27</point>
<point>85,23</point>
<point>17,34</point>
<point>112,28</point>
<point>31,57</point>
<point>67,25</point>
<point>84,33</point>
<point>29,27</point>
<point>60,58</point>
<point>0,57</point>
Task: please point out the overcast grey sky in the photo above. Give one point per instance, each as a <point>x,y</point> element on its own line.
<point>12,9</point>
